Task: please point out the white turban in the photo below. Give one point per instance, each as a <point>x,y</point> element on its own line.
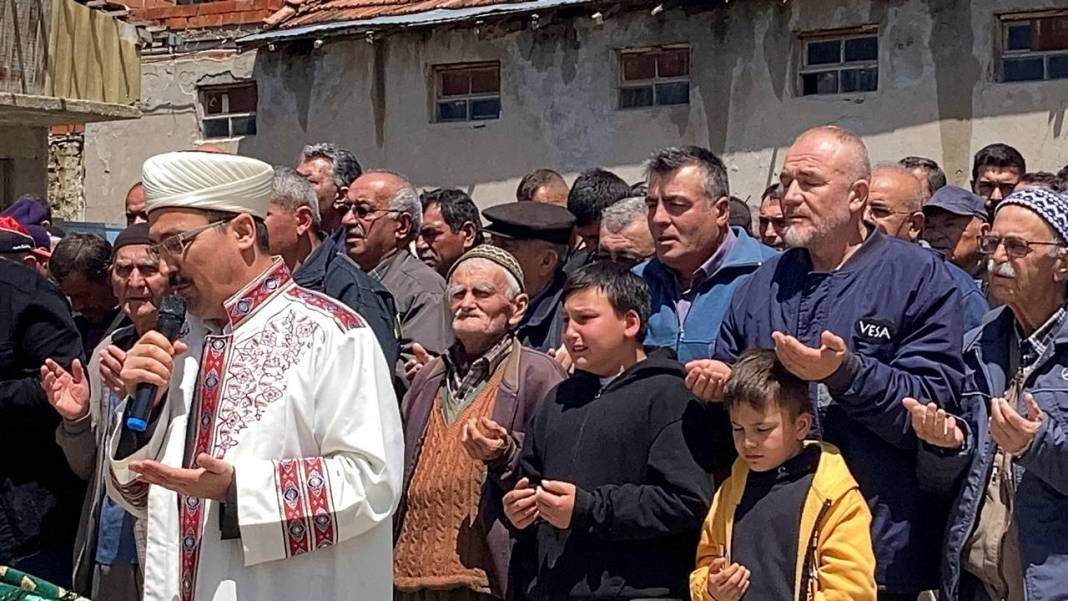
<point>207,181</point>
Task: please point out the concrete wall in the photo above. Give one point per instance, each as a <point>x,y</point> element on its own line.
<point>936,97</point>
<point>27,150</point>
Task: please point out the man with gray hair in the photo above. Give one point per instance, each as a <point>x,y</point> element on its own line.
<point>464,422</point>
<point>927,172</point>
<point>625,237</point>
<point>382,215</point>
<point>700,261</point>
<point>293,232</point>
<point>867,320</point>
<point>330,170</point>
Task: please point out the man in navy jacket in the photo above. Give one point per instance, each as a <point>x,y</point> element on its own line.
<point>868,320</point>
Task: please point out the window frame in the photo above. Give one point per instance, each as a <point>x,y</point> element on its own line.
<point>1006,20</point>
<point>437,97</point>
<point>622,83</point>
<point>842,36</point>
<point>202,93</point>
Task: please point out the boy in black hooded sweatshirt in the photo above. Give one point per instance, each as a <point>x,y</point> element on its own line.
<point>616,473</point>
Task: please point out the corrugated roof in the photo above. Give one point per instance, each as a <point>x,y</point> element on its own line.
<point>297,13</point>
<point>311,17</point>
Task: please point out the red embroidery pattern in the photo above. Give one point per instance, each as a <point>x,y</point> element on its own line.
<point>319,503</point>
<point>191,516</point>
<point>344,316</point>
<point>258,373</point>
<point>291,499</point>
<point>239,310</point>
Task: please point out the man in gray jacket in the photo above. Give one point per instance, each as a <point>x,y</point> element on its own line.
<point>106,564</point>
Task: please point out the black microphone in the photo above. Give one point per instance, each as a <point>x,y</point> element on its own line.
<point>171,316</point>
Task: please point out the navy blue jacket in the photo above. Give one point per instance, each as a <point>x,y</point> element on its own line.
<point>1041,473</point>
<point>696,337</point>
<point>328,270</point>
<point>898,309</point>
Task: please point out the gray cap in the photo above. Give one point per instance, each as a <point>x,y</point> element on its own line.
<point>957,201</point>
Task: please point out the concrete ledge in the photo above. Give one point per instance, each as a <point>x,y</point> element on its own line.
<point>45,111</point>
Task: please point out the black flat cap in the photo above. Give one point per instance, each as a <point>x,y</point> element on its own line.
<point>530,221</point>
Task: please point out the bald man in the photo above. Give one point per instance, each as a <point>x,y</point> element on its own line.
<point>895,206</point>
<point>866,319</point>
<point>135,205</point>
<point>895,202</point>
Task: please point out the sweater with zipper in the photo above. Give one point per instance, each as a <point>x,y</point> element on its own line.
<point>638,453</point>
<point>834,558</point>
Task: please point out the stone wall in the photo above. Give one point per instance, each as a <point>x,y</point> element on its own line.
<point>66,173</point>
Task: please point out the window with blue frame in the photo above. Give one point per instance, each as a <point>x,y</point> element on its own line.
<point>467,92</point>
<point>1034,47</point>
<point>843,63</point>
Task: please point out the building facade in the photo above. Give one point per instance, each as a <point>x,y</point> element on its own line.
<point>475,96</point>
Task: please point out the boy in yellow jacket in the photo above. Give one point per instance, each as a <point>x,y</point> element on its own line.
<point>790,522</point>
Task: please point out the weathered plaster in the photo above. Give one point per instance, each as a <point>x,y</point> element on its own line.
<point>936,97</point>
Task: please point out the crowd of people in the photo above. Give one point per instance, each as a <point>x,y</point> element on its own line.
<point>606,390</point>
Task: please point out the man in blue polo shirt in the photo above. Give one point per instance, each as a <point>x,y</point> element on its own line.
<point>864,318</point>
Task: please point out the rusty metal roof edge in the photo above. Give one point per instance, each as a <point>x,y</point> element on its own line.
<point>430,17</point>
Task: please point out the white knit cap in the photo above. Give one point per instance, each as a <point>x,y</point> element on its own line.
<point>207,181</point>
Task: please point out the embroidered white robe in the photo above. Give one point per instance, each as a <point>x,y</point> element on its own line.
<point>296,394</point>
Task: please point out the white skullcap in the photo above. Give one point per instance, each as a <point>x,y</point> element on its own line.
<point>207,181</point>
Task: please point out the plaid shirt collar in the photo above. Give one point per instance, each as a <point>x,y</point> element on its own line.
<point>1034,346</point>
<point>464,375</point>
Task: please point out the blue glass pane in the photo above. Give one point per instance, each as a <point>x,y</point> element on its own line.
<point>243,126</point>
<point>217,128</point>
<point>819,83</point>
<point>1022,69</point>
<point>860,80</point>
<point>630,98</point>
<point>823,53</point>
<point>486,108</point>
<point>862,49</point>
<point>1019,37</point>
<point>673,93</point>
<point>452,111</point>
<point>1058,66</point>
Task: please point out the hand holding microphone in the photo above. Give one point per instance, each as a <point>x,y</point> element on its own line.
<point>146,372</point>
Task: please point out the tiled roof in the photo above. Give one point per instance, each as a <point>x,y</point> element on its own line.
<point>297,13</point>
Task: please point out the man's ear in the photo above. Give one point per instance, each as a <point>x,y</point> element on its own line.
<point>916,224</point>
<point>858,195</point>
<point>519,309</point>
<point>404,226</point>
<point>1060,267</point>
<point>470,234</point>
<point>305,219</point>
<point>243,228</point>
<point>721,211</point>
<point>984,228</point>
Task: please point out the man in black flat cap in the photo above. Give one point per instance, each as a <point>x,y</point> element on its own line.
<point>537,235</point>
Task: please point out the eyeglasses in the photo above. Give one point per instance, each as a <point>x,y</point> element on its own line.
<point>131,217</point>
<point>175,245</point>
<point>360,210</point>
<point>882,211</point>
<point>622,258</point>
<point>1015,247</point>
<point>986,189</point>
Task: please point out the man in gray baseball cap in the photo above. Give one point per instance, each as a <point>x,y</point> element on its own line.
<point>955,219</point>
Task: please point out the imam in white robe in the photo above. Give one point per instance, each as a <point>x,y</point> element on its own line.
<point>295,393</point>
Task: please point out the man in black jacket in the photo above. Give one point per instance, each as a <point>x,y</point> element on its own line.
<point>293,223</point>
<point>615,461</point>
<point>39,496</point>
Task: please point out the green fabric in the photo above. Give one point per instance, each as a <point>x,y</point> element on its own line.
<point>18,586</point>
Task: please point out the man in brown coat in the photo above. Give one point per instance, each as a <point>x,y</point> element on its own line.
<point>464,419</point>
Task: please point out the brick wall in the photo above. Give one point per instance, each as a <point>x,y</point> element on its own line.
<point>213,13</point>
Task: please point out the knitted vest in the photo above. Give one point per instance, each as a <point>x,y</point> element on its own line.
<point>441,544</point>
